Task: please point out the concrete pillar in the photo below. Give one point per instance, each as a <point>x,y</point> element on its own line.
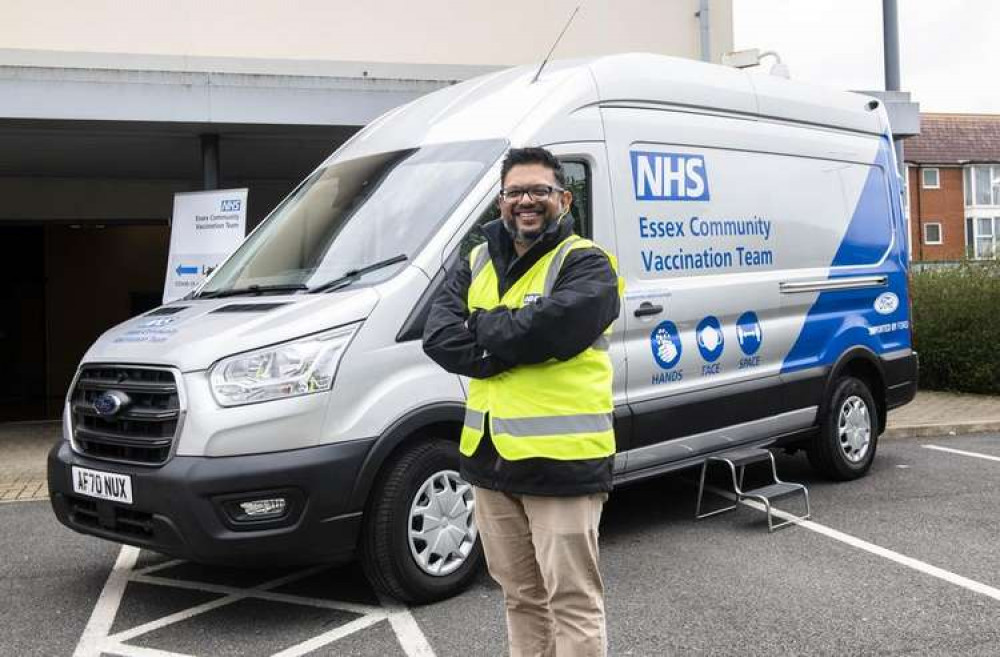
<point>210,161</point>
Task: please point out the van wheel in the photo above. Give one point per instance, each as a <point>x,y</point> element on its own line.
<point>845,445</point>
<point>420,542</point>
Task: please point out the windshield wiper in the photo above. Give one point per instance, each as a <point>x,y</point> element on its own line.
<point>252,289</point>
<point>354,274</point>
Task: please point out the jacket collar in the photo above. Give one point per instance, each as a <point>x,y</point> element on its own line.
<point>501,244</point>
<point>508,266</point>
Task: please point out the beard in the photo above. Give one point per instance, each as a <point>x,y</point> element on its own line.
<point>527,236</point>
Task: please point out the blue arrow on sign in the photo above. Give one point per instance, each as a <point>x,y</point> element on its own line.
<point>181,270</point>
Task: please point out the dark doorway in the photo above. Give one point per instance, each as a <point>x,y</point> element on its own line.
<point>22,323</point>
<point>61,286</point>
<point>98,275</point>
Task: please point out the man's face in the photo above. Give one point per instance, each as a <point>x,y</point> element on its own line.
<point>529,215</point>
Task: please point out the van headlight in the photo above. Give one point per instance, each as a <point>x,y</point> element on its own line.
<point>299,367</point>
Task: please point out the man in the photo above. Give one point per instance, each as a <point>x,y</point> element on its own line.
<point>527,316</point>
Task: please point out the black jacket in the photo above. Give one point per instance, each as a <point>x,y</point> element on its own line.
<point>583,303</point>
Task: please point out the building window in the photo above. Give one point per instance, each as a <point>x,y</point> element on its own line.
<point>982,237</point>
<point>932,233</point>
<point>982,185</point>
<point>931,178</point>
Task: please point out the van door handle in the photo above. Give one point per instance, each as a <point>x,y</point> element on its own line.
<point>646,308</point>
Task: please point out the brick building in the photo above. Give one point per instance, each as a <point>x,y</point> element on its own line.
<point>953,187</point>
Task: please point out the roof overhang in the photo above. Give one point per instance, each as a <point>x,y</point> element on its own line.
<point>102,87</point>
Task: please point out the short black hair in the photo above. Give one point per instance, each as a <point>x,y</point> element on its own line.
<point>533,155</point>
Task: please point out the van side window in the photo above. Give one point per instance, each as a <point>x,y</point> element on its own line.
<point>577,181</point>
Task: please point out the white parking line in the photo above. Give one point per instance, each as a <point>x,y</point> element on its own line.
<point>157,566</point>
<point>97,639</point>
<point>122,650</point>
<point>106,609</point>
<point>405,626</point>
<point>853,541</point>
<point>317,642</point>
<point>963,452</point>
<point>338,605</point>
<point>191,612</point>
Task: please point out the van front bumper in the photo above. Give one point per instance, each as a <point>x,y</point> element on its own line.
<point>185,508</point>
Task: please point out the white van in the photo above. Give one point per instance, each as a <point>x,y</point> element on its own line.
<point>286,411</point>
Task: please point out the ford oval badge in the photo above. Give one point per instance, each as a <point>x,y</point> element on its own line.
<point>886,303</point>
<point>109,403</point>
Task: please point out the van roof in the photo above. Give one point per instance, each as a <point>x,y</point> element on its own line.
<point>507,105</point>
<point>674,82</point>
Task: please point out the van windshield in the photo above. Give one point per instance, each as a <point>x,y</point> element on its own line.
<point>352,214</point>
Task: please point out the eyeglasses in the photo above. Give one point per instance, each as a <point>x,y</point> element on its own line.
<point>535,193</point>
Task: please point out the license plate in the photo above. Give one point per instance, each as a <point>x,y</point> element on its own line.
<point>103,485</point>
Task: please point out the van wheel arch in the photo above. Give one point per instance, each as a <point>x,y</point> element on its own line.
<point>864,364</point>
<point>437,421</point>
<point>412,464</point>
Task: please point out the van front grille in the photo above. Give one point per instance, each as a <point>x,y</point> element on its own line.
<point>125,413</point>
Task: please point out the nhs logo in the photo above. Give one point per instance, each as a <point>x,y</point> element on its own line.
<point>231,205</point>
<point>669,176</point>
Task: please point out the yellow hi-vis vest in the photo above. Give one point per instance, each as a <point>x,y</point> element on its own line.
<point>557,409</point>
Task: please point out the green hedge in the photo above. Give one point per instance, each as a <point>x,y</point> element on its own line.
<point>956,321</point>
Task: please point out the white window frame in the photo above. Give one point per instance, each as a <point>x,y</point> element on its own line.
<point>940,230</point>
<point>993,236</point>
<point>970,176</point>
<point>923,177</point>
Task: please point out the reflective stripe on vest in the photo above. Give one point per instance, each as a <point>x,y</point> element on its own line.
<point>557,260</point>
<point>480,256</point>
<point>552,426</point>
<point>557,409</point>
<point>474,419</point>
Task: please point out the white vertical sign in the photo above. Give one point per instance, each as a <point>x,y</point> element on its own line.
<point>206,228</point>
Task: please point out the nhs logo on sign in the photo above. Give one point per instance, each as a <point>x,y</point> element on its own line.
<point>669,176</point>
<point>231,205</point>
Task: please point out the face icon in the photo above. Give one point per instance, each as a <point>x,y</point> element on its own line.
<point>710,338</point>
<point>530,199</point>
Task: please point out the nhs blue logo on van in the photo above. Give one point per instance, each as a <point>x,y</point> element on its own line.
<point>230,205</point>
<point>669,176</point>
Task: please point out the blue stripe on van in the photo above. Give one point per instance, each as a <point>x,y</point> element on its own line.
<point>839,320</point>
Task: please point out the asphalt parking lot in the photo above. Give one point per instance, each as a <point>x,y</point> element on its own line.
<point>902,562</point>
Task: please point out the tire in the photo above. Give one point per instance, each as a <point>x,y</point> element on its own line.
<point>404,567</point>
<point>845,446</point>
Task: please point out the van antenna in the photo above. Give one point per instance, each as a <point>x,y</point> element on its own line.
<point>552,49</point>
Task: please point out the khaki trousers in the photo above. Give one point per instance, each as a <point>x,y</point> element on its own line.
<point>543,553</point>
